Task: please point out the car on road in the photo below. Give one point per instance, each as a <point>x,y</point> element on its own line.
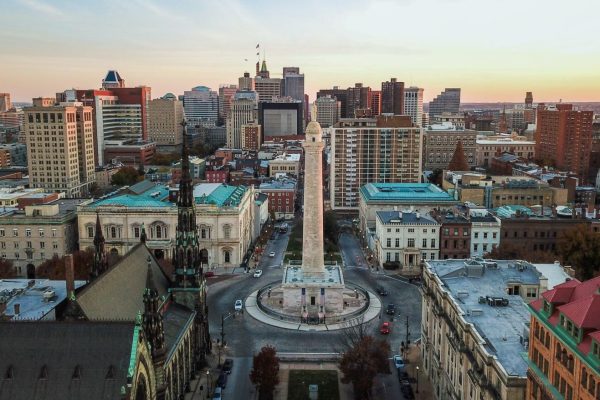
<point>406,390</point>
<point>398,361</point>
<point>209,274</point>
<point>391,309</point>
<point>272,254</point>
<point>238,305</point>
<point>222,381</point>
<point>258,273</point>
<point>381,291</point>
<point>227,365</point>
<point>217,394</point>
<point>385,328</point>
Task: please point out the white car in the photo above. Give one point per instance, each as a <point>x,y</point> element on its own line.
<point>238,305</point>
<point>398,361</point>
<point>272,254</point>
<point>258,273</point>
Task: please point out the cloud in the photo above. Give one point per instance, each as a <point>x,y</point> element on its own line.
<point>158,10</point>
<point>42,7</point>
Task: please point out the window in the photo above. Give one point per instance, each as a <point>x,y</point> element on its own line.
<point>432,243</point>
<point>55,245</point>
<point>411,230</point>
<point>388,256</point>
<point>16,245</point>
<point>424,243</point>
<point>475,247</point>
<point>476,235</point>
<point>495,234</point>
<point>203,233</point>
<point>227,256</point>
<point>388,242</point>
<point>136,231</point>
<point>432,257</point>
<point>53,232</point>
<point>15,232</point>
<point>531,292</point>
<point>455,231</point>
<point>42,245</point>
<point>397,242</point>
<point>41,232</point>
<point>2,233</point>
<point>90,231</point>
<point>113,232</point>
<point>485,247</point>
<point>411,242</point>
<point>28,232</point>
<point>485,235</point>
<point>159,232</point>
<point>226,231</point>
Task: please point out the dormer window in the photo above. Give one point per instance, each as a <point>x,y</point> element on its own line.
<point>547,307</point>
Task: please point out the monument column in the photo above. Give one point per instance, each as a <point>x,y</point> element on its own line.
<point>312,240</point>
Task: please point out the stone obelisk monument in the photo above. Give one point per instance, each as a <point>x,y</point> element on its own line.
<point>312,239</point>
<point>313,289</point>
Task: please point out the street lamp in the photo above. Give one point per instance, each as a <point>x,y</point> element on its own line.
<point>417,379</point>
<point>223,318</point>
<point>208,384</point>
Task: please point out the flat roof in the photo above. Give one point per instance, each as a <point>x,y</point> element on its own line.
<point>29,295</point>
<point>332,275</point>
<point>408,218</point>
<point>405,193</point>
<point>219,194</point>
<point>502,327</point>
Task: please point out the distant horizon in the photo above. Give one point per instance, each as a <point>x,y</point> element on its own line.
<point>494,54</point>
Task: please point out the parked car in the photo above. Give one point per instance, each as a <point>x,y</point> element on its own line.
<point>209,274</point>
<point>381,291</point>
<point>406,389</point>
<point>222,381</point>
<point>238,305</point>
<point>258,273</point>
<point>272,254</point>
<point>398,361</point>
<point>385,328</point>
<point>391,309</point>
<point>227,365</point>
<point>217,393</point>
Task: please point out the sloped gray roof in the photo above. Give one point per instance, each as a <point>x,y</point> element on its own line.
<point>117,294</point>
<point>175,321</point>
<point>42,357</point>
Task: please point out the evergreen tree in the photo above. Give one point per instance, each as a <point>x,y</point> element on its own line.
<point>459,161</point>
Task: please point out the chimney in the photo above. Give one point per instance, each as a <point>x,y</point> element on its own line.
<point>418,215</point>
<point>69,274</point>
<point>17,308</point>
<point>400,215</point>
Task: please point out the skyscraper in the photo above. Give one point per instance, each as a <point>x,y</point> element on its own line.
<point>413,104</point>
<point>226,93</point>
<point>165,126</point>
<point>66,163</point>
<point>448,101</point>
<point>529,100</point>
<point>358,98</point>
<point>563,137</point>
<point>392,97</point>
<point>246,82</point>
<point>267,88</point>
<point>341,95</point>
<point>328,111</point>
<point>243,110</point>
<point>201,106</point>
<point>375,102</point>
<point>5,104</point>
<point>293,83</point>
<point>281,118</point>
<point>113,80</point>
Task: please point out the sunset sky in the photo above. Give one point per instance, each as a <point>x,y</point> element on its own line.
<point>493,50</point>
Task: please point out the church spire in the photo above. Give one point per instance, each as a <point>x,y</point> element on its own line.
<point>152,319</point>
<point>100,263</point>
<point>143,236</point>
<point>186,194</point>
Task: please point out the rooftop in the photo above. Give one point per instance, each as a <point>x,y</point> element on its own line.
<point>278,184</point>
<point>405,193</point>
<point>501,327</point>
<point>35,298</point>
<point>406,218</point>
<point>295,275</point>
<point>219,194</point>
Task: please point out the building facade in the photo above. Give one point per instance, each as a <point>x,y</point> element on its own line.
<point>288,164</point>
<point>447,101</point>
<point>327,111</point>
<point>165,127</point>
<point>440,143</point>
<point>60,148</point>
<point>383,149</point>
<point>455,235</point>
<point>243,110</point>
<point>283,117</point>
<point>282,197</point>
<point>564,342</point>
<point>485,232</point>
<point>252,137</point>
<point>226,93</point>
<point>392,97</point>
<point>413,104</point>
<point>201,106</point>
<point>488,148</point>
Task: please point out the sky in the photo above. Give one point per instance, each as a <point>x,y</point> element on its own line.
<point>494,50</point>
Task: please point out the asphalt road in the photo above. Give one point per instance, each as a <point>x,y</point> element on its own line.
<point>245,336</point>
<point>352,253</point>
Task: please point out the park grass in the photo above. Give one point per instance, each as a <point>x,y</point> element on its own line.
<point>300,379</point>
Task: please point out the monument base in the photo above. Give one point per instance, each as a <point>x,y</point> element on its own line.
<point>313,294</point>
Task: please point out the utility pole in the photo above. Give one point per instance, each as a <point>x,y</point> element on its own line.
<point>223,318</point>
<point>407,335</point>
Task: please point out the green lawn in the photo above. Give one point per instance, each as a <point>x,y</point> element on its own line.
<point>300,379</point>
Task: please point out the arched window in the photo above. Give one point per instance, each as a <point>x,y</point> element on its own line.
<point>158,231</point>
<point>203,233</point>
<point>227,256</point>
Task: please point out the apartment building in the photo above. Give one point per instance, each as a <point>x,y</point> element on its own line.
<point>440,143</point>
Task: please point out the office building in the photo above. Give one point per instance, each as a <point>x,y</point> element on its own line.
<point>563,137</point>
<point>5,103</point>
<point>564,342</point>
<point>385,149</point>
<point>328,110</point>
<point>226,93</point>
<point>60,148</point>
<point>113,80</point>
<point>357,99</point>
<point>375,102</point>
<point>283,117</point>
<point>406,238</point>
<point>293,83</point>
<point>243,110</point>
<point>440,144</point>
<point>392,97</point>
<point>133,153</point>
<point>447,101</point>
<point>201,106</point>
<point>488,147</point>
<point>413,104</point>
<point>246,82</point>
<point>252,137</point>
<point>164,126</point>
<point>268,88</point>
<point>340,95</point>
<point>475,327</point>
<point>17,153</point>
<point>286,164</point>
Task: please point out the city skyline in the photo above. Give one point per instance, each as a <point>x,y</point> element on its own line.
<point>492,56</point>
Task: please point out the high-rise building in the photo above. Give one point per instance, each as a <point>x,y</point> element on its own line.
<point>358,99</point>
<point>65,163</point>
<point>440,143</point>
<point>226,93</point>
<point>293,83</point>
<point>413,104</point>
<point>563,137</point>
<point>529,100</point>
<point>375,102</point>
<point>281,118</point>
<point>246,82</point>
<point>564,342</point>
<point>448,101</point>
<point>5,103</point>
<point>251,136</point>
<point>340,94</point>
<point>267,88</point>
<point>165,126</point>
<point>327,111</point>
<point>201,106</point>
<point>113,80</point>
<point>243,110</point>
<point>392,97</point>
<point>382,149</point>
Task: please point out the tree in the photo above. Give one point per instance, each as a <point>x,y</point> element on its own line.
<point>436,177</point>
<point>54,268</point>
<point>330,226</point>
<point>7,269</point>
<point>95,190</point>
<point>511,252</point>
<point>165,158</point>
<point>459,161</point>
<point>363,358</point>
<point>265,372</point>
<point>125,176</point>
<point>580,248</point>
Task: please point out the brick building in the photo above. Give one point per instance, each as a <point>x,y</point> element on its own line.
<point>455,235</point>
<point>282,197</point>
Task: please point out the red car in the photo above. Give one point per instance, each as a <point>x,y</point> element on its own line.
<point>385,328</point>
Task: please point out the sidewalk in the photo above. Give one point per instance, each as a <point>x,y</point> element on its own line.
<point>413,359</point>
